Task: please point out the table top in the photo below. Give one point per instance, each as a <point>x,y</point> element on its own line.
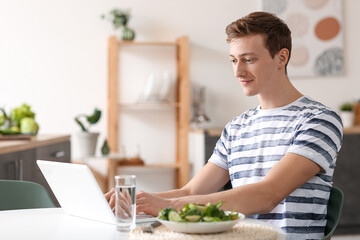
<point>53,223</point>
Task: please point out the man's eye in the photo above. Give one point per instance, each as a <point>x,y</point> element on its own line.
<point>248,60</point>
<point>233,60</point>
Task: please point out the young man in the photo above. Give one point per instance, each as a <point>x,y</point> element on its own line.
<point>279,156</point>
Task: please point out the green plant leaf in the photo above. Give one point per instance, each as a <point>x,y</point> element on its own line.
<point>95,117</point>
<point>80,124</point>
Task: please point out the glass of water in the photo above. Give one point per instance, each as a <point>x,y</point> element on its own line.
<point>125,206</point>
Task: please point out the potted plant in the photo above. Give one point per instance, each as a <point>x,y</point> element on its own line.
<point>87,140</point>
<point>120,18</point>
<point>347,114</point>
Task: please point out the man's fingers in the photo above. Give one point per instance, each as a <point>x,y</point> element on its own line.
<point>124,208</point>
<point>112,201</point>
<point>147,209</point>
<point>109,194</point>
<point>128,197</point>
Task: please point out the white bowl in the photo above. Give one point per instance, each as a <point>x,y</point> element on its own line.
<point>201,227</point>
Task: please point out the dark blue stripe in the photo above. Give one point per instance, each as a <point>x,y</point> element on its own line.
<point>315,186</point>
<point>224,133</point>
<point>310,200</point>
<point>291,215</point>
<point>322,110</point>
<point>263,144</point>
<point>320,135</point>
<point>316,148</point>
<point>255,159</point>
<point>309,101</point>
<point>328,125</point>
<point>304,230</point>
<point>295,108</point>
<point>262,131</point>
<point>260,172</point>
<point>326,178</point>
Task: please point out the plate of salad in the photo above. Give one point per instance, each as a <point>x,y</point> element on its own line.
<point>199,218</point>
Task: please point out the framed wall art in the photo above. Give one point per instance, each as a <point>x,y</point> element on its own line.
<point>317,35</point>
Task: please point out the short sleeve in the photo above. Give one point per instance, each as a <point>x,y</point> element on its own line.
<point>221,150</point>
<point>319,139</point>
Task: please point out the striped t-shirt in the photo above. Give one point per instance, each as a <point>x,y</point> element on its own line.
<point>251,144</point>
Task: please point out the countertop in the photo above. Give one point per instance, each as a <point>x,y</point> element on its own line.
<point>8,146</point>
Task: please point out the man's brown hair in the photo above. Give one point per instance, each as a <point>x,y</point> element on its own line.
<point>276,33</point>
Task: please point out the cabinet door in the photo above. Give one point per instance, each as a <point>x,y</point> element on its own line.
<point>15,165</point>
<point>347,178</point>
<point>59,152</point>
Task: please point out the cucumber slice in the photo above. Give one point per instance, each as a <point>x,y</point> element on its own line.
<point>193,218</point>
<point>208,219</point>
<point>174,216</point>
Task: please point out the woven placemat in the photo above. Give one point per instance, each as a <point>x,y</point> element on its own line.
<point>241,231</point>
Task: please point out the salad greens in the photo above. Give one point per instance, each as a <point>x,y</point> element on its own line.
<point>197,213</point>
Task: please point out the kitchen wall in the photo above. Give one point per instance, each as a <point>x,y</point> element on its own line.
<point>53,56</point>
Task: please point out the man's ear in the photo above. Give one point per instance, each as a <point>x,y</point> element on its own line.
<point>283,57</point>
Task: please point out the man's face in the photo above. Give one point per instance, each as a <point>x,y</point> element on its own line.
<point>252,64</point>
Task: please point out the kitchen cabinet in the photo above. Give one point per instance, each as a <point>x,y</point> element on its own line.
<point>18,158</point>
<point>347,178</point>
<point>180,106</point>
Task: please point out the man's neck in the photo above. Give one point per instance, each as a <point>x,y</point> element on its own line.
<point>280,95</point>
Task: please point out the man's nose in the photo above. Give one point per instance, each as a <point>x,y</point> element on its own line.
<point>240,70</point>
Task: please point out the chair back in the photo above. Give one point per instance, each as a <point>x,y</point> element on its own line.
<point>334,207</point>
<point>15,194</point>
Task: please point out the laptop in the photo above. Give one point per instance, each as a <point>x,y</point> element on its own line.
<point>78,193</point>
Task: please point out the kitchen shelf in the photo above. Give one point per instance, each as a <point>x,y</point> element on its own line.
<point>181,105</point>
<point>130,43</point>
<point>148,106</point>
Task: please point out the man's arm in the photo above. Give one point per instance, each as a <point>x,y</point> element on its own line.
<point>287,175</point>
<point>209,180</point>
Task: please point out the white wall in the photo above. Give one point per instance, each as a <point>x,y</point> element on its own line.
<point>53,55</point>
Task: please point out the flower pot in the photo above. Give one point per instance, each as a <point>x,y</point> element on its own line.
<point>347,118</point>
<point>87,142</point>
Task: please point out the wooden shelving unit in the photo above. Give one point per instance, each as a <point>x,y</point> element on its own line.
<point>181,105</point>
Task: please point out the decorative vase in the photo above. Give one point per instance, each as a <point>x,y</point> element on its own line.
<point>198,105</point>
<point>105,150</point>
<point>127,34</point>
<point>87,142</point>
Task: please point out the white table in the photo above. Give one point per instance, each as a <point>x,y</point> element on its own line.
<point>54,224</point>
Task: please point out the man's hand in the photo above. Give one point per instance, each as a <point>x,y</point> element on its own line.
<point>110,197</point>
<point>123,205</point>
<point>124,202</point>
<point>150,203</point>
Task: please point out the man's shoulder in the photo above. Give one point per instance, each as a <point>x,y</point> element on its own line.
<point>317,108</point>
<point>313,107</point>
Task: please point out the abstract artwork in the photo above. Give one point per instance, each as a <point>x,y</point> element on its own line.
<point>317,35</point>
